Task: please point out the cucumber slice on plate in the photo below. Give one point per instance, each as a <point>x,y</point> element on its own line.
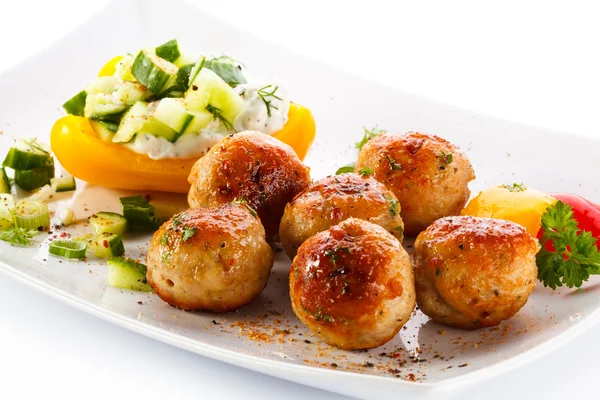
<point>102,84</point>
<point>4,181</point>
<point>126,273</point>
<point>27,154</point>
<point>105,129</point>
<point>99,105</point>
<point>107,245</point>
<point>131,92</point>
<point>110,222</point>
<point>172,112</point>
<point>132,122</point>
<point>153,72</point>
<point>63,183</point>
<point>31,179</point>
<point>209,89</point>
<point>169,51</point>
<point>76,104</point>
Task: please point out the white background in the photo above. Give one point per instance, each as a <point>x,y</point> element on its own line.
<point>533,62</point>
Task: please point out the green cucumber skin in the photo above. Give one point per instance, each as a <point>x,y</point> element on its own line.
<point>107,245</point>
<point>139,213</point>
<point>126,273</point>
<point>196,70</point>
<point>25,160</point>
<point>4,182</point>
<point>76,104</point>
<point>169,51</point>
<point>35,178</point>
<point>148,74</point>
<point>64,184</point>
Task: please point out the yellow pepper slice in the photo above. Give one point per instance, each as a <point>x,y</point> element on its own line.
<point>110,67</point>
<point>84,155</point>
<point>521,205</point>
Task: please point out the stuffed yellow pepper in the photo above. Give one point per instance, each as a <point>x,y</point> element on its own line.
<point>147,118</point>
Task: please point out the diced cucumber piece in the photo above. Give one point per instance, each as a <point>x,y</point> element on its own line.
<point>131,92</point>
<point>4,181</point>
<point>139,213</point>
<point>63,183</point>
<point>100,105</point>
<point>132,122</point>
<point>123,68</point>
<point>228,69</point>
<point>183,75</point>
<point>169,51</point>
<point>157,128</point>
<point>27,154</point>
<point>76,104</point>
<point>106,245</point>
<point>110,222</point>
<point>153,72</point>
<point>126,273</point>
<point>105,129</point>
<point>7,204</point>
<point>186,58</point>
<point>172,112</point>
<point>207,88</point>
<point>102,84</point>
<point>31,179</point>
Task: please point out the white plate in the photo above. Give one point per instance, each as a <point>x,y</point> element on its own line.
<point>342,104</point>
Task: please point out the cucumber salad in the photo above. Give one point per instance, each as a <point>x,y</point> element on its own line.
<point>165,103</point>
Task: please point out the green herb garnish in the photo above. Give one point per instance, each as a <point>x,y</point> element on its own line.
<point>365,171</point>
<point>394,206</point>
<point>332,253</point>
<point>242,200</point>
<point>346,168</point>
<point>393,165</point>
<point>18,236</point>
<point>188,233</point>
<point>446,157</point>
<point>265,94</point>
<point>218,114</point>
<point>368,135</point>
<point>515,187</point>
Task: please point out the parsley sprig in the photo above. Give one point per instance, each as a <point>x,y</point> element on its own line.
<point>18,236</point>
<point>218,114</point>
<point>264,94</point>
<point>574,256</point>
<point>368,135</point>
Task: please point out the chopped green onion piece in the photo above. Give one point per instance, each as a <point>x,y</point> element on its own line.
<point>35,178</point>
<point>346,168</point>
<point>126,273</point>
<point>139,213</point>
<point>31,214</point>
<point>68,248</point>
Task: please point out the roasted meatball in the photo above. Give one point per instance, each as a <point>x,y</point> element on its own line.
<point>428,175</point>
<point>252,166</point>
<point>353,285</point>
<point>213,259</point>
<point>334,199</point>
<point>474,272</point>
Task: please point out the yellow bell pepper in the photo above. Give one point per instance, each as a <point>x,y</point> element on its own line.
<point>523,206</point>
<point>84,155</point>
<point>110,67</point>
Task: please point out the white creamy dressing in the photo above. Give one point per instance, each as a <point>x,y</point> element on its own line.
<point>254,116</point>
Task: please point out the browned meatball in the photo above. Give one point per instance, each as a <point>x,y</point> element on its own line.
<point>213,259</point>
<point>428,175</point>
<point>253,166</point>
<point>334,199</point>
<point>474,272</point>
<point>353,285</point>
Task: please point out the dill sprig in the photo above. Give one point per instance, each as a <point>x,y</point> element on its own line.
<point>265,94</point>
<point>218,114</point>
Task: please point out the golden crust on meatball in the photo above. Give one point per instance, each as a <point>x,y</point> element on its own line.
<point>353,285</point>
<point>253,166</point>
<point>428,175</point>
<point>213,259</point>
<point>333,199</point>
<point>474,272</point>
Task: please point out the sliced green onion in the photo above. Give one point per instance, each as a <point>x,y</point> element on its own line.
<point>35,178</point>
<point>31,214</point>
<point>68,248</point>
<point>27,154</point>
<point>139,213</point>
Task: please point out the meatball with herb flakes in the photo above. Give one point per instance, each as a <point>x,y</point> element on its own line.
<point>428,175</point>
<point>213,259</point>
<point>252,166</point>
<point>333,199</point>
<point>353,285</point>
<point>473,272</point>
